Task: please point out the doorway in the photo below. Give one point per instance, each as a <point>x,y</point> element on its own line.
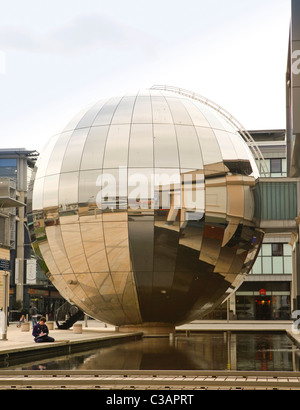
<point>263,308</point>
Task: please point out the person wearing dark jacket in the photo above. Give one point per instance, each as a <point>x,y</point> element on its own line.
<point>40,332</point>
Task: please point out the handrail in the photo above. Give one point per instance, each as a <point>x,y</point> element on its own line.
<point>226,115</point>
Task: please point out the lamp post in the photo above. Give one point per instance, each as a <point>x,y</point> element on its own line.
<point>4,308</point>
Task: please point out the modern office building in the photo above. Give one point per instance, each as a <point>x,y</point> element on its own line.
<point>272,289</point>
<point>27,283</point>
<point>8,205</point>
<point>267,292</point>
<point>293,135</point>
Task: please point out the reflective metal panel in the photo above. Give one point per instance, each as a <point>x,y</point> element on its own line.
<point>73,153</point>
<point>190,155</point>
<point>88,118</point>
<point>93,151</point>
<point>141,152</point>
<point>179,113</point>
<point>142,113</point>
<point>143,210</point>
<point>123,112</point>
<point>50,197</point>
<point>161,111</point>
<point>55,161</point>
<point>165,146</point>
<point>116,149</point>
<point>106,113</point>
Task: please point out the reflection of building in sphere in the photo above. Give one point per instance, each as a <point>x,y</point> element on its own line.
<point>143,209</point>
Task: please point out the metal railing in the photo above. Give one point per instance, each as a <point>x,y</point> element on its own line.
<point>227,116</point>
<point>149,379</point>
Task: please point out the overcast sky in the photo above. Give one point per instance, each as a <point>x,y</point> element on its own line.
<point>58,56</point>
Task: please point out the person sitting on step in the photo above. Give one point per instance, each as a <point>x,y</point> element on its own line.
<point>40,332</point>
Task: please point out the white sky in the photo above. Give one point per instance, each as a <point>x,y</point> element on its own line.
<point>58,56</point>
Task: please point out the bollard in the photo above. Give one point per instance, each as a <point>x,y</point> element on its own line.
<point>77,328</point>
<point>50,325</point>
<point>25,327</point>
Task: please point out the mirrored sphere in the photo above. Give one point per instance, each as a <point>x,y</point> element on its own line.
<point>144,209</point>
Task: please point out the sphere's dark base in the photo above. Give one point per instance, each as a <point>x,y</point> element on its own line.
<point>150,329</point>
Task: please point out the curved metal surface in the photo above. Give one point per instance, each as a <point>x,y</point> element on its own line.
<point>230,118</point>
<point>144,209</point>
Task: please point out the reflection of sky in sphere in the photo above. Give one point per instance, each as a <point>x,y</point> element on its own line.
<point>144,209</point>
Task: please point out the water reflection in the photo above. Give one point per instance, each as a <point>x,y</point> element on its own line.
<point>199,351</point>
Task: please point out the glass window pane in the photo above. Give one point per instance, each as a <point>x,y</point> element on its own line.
<point>287,249</point>
<point>284,166</point>
<point>275,165</point>
<point>8,167</point>
<point>257,267</point>
<point>266,249</point>
<point>93,151</point>
<point>277,249</point>
<point>278,265</point>
<point>288,265</point>
<point>267,164</point>
<point>267,265</point>
<point>141,146</point>
<point>165,146</point>
<point>116,150</point>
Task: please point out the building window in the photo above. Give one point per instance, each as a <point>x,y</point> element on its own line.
<point>275,166</point>
<point>277,249</point>
<point>273,259</point>
<point>264,301</point>
<point>8,167</point>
